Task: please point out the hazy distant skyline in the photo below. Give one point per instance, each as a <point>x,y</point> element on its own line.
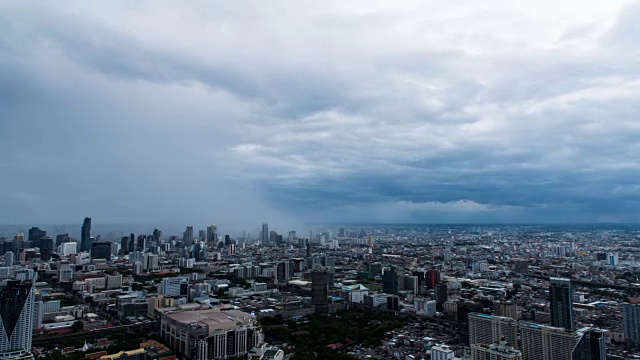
<point>295,112</point>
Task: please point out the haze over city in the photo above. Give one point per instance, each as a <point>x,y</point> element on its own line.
<point>297,113</point>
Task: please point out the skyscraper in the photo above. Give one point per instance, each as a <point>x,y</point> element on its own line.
<point>264,234</point>
<point>187,236</point>
<point>85,235</point>
<point>489,329</point>
<point>18,241</point>
<point>212,234</point>
<point>35,234</point>
<point>46,247</point>
<point>440,294</point>
<point>390,281</point>
<point>591,345</point>
<point>62,238</point>
<point>631,324</point>
<point>17,300</point>
<point>561,303</point>
<point>101,250</point>
<point>320,291</point>
<point>433,278</point>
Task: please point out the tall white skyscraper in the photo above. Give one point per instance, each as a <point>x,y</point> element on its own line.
<point>17,299</point>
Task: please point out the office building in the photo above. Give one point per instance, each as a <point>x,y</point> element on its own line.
<point>17,300</point>
<point>187,236</point>
<point>212,234</point>
<point>85,235</point>
<point>541,342</point>
<point>174,286</point>
<point>561,303</point>
<point>432,279</point>
<point>320,291</point>
<point>68,248</point>
<point>497,351</point>
<point>62,238</point>
<point>631,325</point>
<point>8,259</point>
<point>390,281</point>
<point>440,294</point>
<point>46,247</point>
<point>591,345</point>
<point>264,234</point>
<point>18,241</point>
<point>211,333</point>
<point>613,259</point>
<point>35,234</point>
<point>489,329</point>
<point>101,250</point>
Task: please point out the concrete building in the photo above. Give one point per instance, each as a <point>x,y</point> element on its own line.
<point>442,352</point>
<point>490,329</point>
<point>500,351</point>
<point>540,342</point>
<point>174,286</point>
<point>17,300</point>
<point>211,333</point>
<point>506,308</point>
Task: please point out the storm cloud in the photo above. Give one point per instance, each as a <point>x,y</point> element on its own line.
<point>294,112</point>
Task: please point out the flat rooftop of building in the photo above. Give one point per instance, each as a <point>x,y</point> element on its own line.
<point>214,318</point>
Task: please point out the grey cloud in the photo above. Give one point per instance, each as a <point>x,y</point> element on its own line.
<point>320,113</point>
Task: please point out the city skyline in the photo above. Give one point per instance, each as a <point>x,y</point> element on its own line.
<point>392,112</point>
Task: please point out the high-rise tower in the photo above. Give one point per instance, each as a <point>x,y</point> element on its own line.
<point>489,329</point>
<point>320,291</point>
<point>264,235</point>
<point>631,324</point>
<point>16,314</point>
<point>85,235</point>
<point>561,303</point>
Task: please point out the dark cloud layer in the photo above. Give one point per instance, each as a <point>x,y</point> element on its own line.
<point>291,113</point>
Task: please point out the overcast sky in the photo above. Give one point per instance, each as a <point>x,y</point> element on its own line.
<point>326,111</point>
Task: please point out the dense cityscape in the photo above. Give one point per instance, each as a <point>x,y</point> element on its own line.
<point>339,292</point>
<point>319,180</point>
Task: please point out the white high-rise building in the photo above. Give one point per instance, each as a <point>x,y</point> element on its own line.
<point>17,300</point>
<point>490,329</point>
<point>541,342</point>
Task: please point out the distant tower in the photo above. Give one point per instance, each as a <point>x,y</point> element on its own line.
<point>187,236</point>
<point>85,235</point>
<point>265,233</point>
<point>8,259</point>
<point>212,234</point>
<point>17,299</point>
<point>561,303</point>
